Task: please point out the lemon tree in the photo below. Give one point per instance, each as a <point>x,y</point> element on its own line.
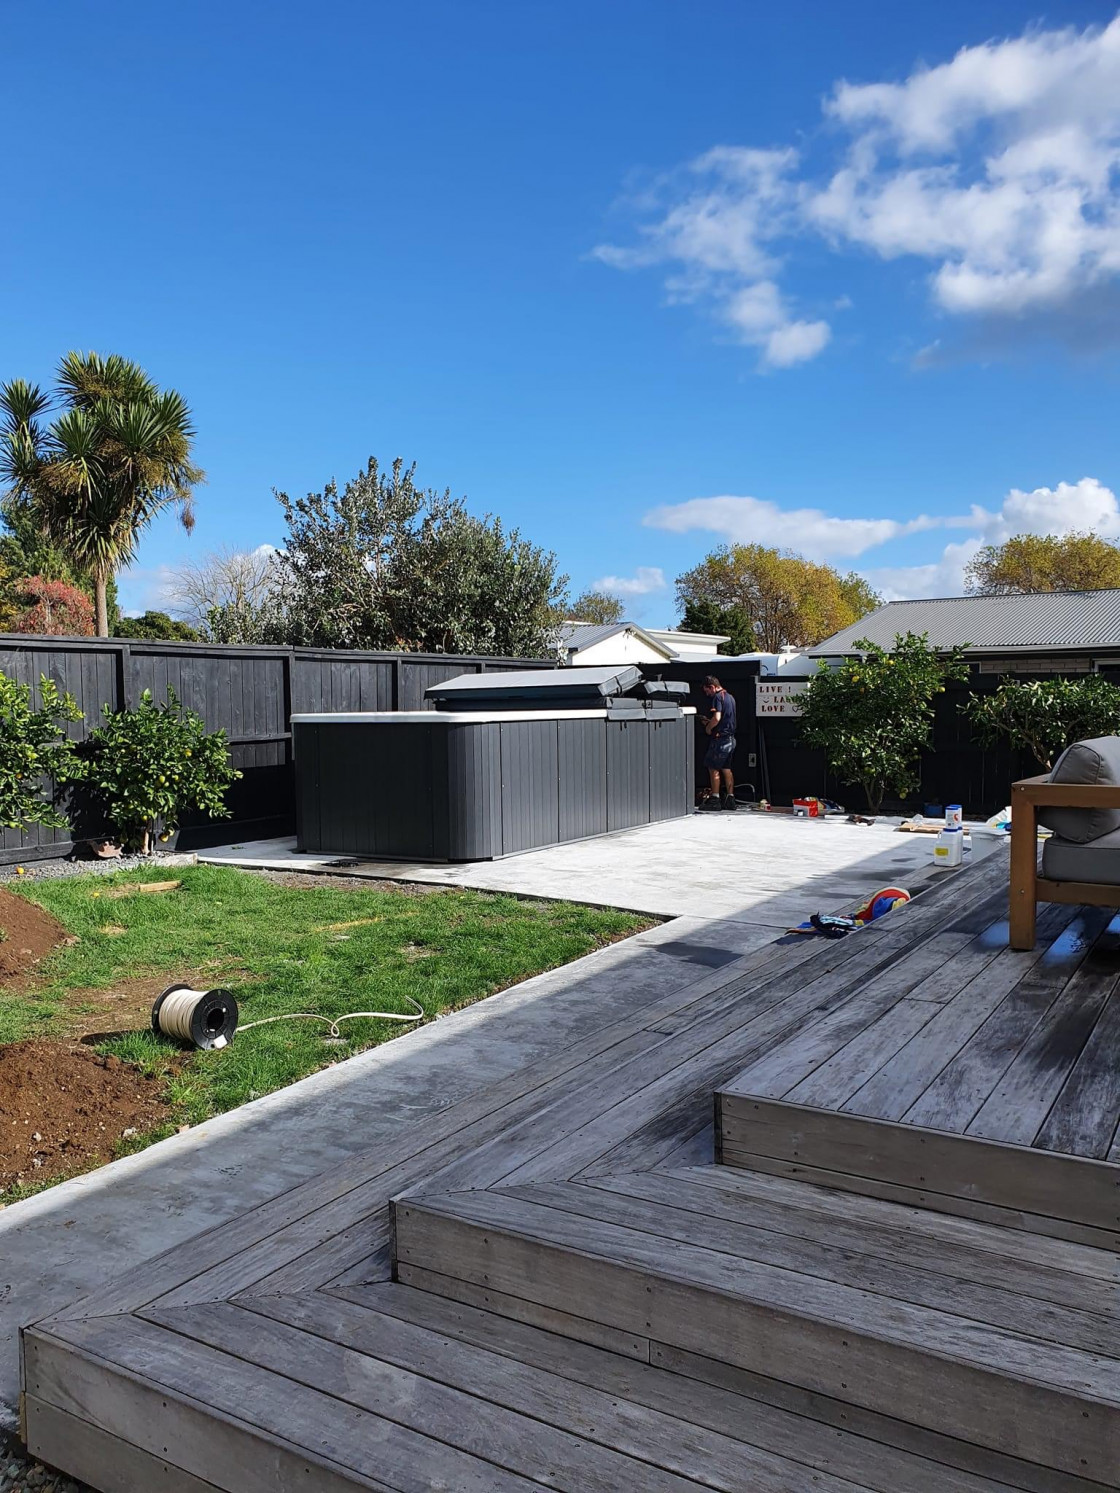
<point>872,715</point>
<point>146,767</point>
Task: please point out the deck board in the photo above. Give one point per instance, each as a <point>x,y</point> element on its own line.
<point>1017,1107</point>
<point>554,1283</point>
<point>817,1434</point>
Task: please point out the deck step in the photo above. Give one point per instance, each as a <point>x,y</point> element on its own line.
<point>765,1434</point>
<point>954,1337</point>
<point>1069,1197</point>
<point>393,1388</point>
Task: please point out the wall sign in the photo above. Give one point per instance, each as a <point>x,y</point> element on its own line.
<point>779,696</point>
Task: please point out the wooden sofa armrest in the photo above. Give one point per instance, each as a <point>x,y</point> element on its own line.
<point>1041,792</point>
<point>1023,898</point>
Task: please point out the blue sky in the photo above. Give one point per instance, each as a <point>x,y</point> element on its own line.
<point>638,276</point>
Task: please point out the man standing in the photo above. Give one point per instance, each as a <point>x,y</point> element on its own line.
<point>720,726</point>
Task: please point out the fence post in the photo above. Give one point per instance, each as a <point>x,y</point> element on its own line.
<point>286,704</point>
<point>124,677</point>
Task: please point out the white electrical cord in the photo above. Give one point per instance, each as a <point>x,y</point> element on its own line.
<point>333,1025</point>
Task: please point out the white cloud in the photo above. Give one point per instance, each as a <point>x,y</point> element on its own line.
<point>646,578</point>
<point>998,169</point>
<point>759,314</point>
<point>1071,507</point>
<point>809,531</point>
<point>146,589</point>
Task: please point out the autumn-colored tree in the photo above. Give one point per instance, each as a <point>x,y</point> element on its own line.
<point>1044,562</point>
<point>596,606</point>
<point>787,599</point>
<point>54,608</point>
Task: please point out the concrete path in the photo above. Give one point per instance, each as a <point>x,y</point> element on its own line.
<point>730,885</point>
<point>751,868</point>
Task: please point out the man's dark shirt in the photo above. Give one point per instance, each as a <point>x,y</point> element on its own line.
<point>725,704</point>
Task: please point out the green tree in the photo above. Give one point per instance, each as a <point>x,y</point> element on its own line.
<point>465,585</point>
<point>1045,715</point>
<point>1044,562</point>
<point>33,749</point>
<point>93,479</point>
<point>334,570</point>
<point>872,716</point>
<point>596,606</point>
<point>157,626</point>
<point>386,564</point>
<point>706,616</point>
<point>148,766</point>
<point>787,600</point>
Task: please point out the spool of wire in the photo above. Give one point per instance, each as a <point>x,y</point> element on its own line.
<point>197,1018</point>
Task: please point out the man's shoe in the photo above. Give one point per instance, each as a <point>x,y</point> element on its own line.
<point>729,802</point>
<point>710,803</point>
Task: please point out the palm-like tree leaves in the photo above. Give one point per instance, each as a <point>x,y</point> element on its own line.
<point>118,454</point>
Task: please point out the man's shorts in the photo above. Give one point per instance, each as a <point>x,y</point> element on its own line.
<point>720,751</point>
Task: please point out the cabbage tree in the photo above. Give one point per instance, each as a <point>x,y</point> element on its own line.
<point>116,453</point>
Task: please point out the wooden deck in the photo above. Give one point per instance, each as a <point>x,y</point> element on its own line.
<point>900,1274</point>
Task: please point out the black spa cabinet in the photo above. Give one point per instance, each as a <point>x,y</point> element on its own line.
<point>476,784</point>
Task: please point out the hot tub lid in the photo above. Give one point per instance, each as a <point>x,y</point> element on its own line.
<point>528,689</point>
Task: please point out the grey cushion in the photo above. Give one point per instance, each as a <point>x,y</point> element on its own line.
<point>1095,761</point>
<point>1097,862</point>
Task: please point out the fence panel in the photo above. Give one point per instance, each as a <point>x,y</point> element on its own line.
<point>248,692</point>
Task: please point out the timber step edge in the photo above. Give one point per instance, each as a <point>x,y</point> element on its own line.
<point>1045,1192</point>
<point>1052,1405</point>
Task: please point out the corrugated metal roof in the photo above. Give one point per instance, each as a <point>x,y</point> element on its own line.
<point>1041,621</point>
<point>576,635</point>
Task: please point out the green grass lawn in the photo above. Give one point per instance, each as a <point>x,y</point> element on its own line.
<point>328,949</point>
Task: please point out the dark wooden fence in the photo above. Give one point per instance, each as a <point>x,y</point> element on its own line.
<point>957,770</point>
<point>249,692</point>
<point>771,761</point>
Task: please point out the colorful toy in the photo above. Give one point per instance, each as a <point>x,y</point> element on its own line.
<point>881,902</point>
<point>875,907</point>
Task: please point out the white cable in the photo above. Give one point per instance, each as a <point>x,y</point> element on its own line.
<point>333,1025</point>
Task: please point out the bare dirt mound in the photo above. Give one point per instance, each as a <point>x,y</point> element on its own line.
<point>63,1108</point>
<point>27,932</point>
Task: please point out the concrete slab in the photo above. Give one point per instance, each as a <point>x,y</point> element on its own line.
<point>750,867</point>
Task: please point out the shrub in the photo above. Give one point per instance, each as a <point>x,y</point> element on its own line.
<point>873,716</point>
<point>52,607</point>
<point>156,625</point>
<point>149,765</point>
<point>33,747</point>
<point>1045,715</point>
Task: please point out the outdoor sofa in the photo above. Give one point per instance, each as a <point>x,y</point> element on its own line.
<point>1079,801</point>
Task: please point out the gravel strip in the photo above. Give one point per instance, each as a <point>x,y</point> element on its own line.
<point>51,870</point>
<point>19,1473</point>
